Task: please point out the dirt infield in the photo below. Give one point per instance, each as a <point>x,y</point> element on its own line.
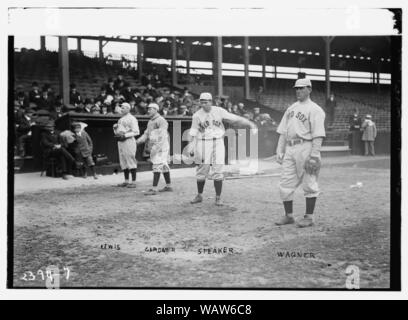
<point>115,237</point>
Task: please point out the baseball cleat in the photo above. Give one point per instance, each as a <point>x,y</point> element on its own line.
<point>131,185</point>
<point>218,202</point>
<point>124,184</point>
<point>150,192</point>
<point>285,220</point>
<point>305,222</point>
<point>166,189</point>
<point>198,198</point>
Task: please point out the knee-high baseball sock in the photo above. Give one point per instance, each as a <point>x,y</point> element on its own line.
<point>156,178</point>
<point>310,205</point>
<point>288,205</point>
<point>92,170</point>
<point>218,187</point>
<point>200,186</point>
<point>133,172</point>
<point>166,176</point>
<point>126,173</point>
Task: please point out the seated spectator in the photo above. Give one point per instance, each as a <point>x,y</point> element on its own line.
<point>83,150</point>
<point>57,112</point>
<point>106,110</point>
<point>117,108</point>
<point>241,108</point>
<point>23,131</point>
<point>34,95</point>
<point>74,96</point>
<point>137,96</point>
<point>47,87</point>
<point>22,100</point>
<point>110,88</point>
<point>142,108</point>
<point>257,113</point>
<point>46,102</point>
<point>119,83</point>
<point>96,109</point>
<point>118,97</point>
<point>87,106</point>
<point>51,143</point>
<point>229,107</point>
<point>235,110</point>
<point>102,95</point>
<point>127,92</point>
<point>183,111</point>
<point>133,107</point>
<point>259,94</point>
<point>164,111</point>
<point>156,82</point>
<point>150,91</point>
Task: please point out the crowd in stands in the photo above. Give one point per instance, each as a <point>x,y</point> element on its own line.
<point>42,104</point>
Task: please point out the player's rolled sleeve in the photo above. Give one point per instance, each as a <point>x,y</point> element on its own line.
<point>283,124</point>
<point>194,126</point>
<point>317,124</point>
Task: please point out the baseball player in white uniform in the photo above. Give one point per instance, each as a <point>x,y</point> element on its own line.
<point>207,145</point>
<point>125,131</point>
<point>157,139</point>
<point>301,135</point>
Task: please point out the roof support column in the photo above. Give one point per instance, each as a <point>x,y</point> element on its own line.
<point>63,66</point>
<point>264,68</point>
<point>246,68</point>
<point>217,66</point>
<point>42,44</point>
<point>173,61</point>
<point>140,57</point>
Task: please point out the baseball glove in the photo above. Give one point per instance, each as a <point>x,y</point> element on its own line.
<point>312,165</point>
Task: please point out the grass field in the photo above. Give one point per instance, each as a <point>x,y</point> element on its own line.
<point>107,236</point>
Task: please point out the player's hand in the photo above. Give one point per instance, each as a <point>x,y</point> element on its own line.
<point>279,158</point>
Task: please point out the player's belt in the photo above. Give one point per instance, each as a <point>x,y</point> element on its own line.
<point>210,139</point>
<point>294,142</point>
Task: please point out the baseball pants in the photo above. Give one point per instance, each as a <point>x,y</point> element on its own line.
<point>210,158</point>
<point>293,173</point>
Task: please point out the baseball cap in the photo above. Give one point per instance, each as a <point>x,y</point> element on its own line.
<point>302,83</point>
<point>154,106</point>
<point>368,116</point>
<point>126,105</point>
<point>205,96</point>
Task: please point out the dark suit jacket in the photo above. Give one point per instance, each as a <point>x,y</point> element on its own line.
<point>49,140</point>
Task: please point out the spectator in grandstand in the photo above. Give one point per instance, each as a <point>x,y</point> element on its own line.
<point>369,134</point>
<point>127,92</point>
<point>241,108</point>
<point>118,97</point>
<point>119,83</point>
<point>142,108</point>
<point>87,106</point>
<point>173,111</point>
<point>355,134</point>
<point>133,107</point>
<point>22,100</point>
<point>51,143</point>
<point>235,110</point>
<point>164,111</point>
<point>34,95</point>
<point>256,114</point>
<point>47,87</point>
<point>74,96</point>
<point>150,91</point>
<point>105,110</point>
<point>183,112</point>
<point>137,96</point>
<point>56,112</point>
<point>102,95</point>
<point>229,107</point>
<point>110,89</point>
<point>45,102</point>
<point>156,81</point>
<point>117,109</point>
<point>23,130</point>
<point>96,109</point>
